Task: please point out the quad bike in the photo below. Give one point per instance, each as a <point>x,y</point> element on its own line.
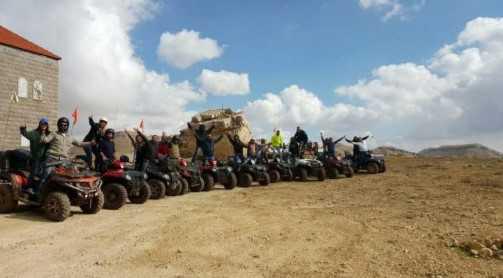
<point>367,161</point>
<point>213,172</point>
<point>248,171</point>
<point>119,184</point>
<point>305,168</point>
<point>277,168</point>
<point>164,178</point>
<point>64,187</point>
<point>191,176</point>
<point>335,166</point>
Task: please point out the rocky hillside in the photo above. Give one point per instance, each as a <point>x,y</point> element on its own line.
<point>392,151</point>
<point>469,150</point>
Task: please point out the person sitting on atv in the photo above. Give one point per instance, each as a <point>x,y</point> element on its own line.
<point>174,147</point>
<point>163,149</point>
<point>301,138</point>
<point>277,140</point>
<point>107,150</point>
<point>237,145</point>
<point>264,148</point>
<point>293,147</point>
<point>251,149</point>
<point>316,149</point>
<point>144,152</point>
<point>201,134</point>
<point>95,134</point>
<point>38,152</point>
<point>329,145</point>
<point>360,148</point>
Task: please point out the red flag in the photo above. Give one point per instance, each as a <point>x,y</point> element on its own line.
<point>142,125</point>
<point>75,115</point>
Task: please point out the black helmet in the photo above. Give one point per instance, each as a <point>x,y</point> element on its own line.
<point>61,121</point>
<point>110,130</point>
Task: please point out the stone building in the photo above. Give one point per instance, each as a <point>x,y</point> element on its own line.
<point>29,78</point>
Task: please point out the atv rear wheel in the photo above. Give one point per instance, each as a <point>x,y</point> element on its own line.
<point>245,180</point>
<point>199,187</point>
<point>231,181</point>
<point>349,173</point>
<point>303,174</point>
<point>382,168</point>
<point>94,205</point>
<point>322,174</point>
<point>142,195</point>
<point>373,168</point>
<point>275,175</point>
<point>332,172</point>
<point>7,201</point>
<point>266,180</point>
<point>185,186</point>
<point>115,195</point>
<point>57,206</point>
<point>209,182</point>
<point>157,189</point>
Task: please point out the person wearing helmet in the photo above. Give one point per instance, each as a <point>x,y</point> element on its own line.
<point>37,150</point>
<point>60,142</point>
<point>106,150</point>
<point>96,134</point>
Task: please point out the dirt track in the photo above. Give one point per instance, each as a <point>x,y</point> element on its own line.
<point>391,225</point>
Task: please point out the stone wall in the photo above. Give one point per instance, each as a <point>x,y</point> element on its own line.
<point>14,64</point>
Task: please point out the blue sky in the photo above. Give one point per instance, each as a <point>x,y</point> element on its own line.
<point>318,45</point>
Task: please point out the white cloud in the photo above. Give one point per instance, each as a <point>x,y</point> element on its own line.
<point>392,8</point>
<point>99,70</point>
<point>454,98</point>
<point>186,48</point>
<point>223,83</point>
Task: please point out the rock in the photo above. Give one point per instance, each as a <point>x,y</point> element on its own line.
<point>473,245</point>
<point>452,243</point>
<point>486,253</point>
<point>494,247</point>
<point>475,253</point>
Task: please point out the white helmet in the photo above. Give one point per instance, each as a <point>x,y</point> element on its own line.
<point>103,119</point>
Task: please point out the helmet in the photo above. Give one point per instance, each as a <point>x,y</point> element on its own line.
<point>43,121</point>
<point>61,121</point>
<point>103,119</point>
<point>110,130</point>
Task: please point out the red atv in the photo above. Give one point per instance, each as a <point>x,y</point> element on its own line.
<point>119,184</point>
<point>66,186</point>
<point>213,173</point>
<point>191,176</point>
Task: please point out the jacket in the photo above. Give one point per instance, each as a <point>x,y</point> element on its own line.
<point>276,141</point>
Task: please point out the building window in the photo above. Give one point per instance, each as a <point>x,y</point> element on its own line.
<point>22,87</point>
<point>38,90</point>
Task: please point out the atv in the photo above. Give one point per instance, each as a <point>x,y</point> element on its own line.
<point>119,184</point>
<point>171,167</point>
<point>64,187</point>
<point>335,166</point>
<point>277,168</point>
<point>367,161</point>
<point>248,171</point>
<point>305,168</point>
<point>213,172</point>
<point>191,176</point>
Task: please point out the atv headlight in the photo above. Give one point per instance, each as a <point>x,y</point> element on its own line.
<point>128,178</point>
<point>166,177</point>
<point>145,176</point>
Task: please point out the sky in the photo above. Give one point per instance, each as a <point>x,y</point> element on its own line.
<point>413,73</point>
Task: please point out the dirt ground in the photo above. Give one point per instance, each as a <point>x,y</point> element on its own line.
<point>393,225</point>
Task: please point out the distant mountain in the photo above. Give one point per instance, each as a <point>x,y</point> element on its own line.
<point>392,151</point>
<point>469,150</point>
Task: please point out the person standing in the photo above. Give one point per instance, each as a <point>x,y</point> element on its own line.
<point>277,140</point>
<point>144,151</point>
<point>107,150</point>
<point>95,135</point>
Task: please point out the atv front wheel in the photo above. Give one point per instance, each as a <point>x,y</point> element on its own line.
<point>303,174</point>
<point>209,182</point>
<point>115,195</point>
<point>7,202</point>
<point>185,186</point>
<point>174,188</point>
<point>142,195</point>
<point>289,176</point>
<point>57,206</point>
<point>157,189</point>
<point>266,180</point>
<point>94,205</point>
<point>231,181</point>
<point>373,168</point>
<point>349,173</point>
<point>245,180</point>
<point>275,176</point>
<point>322,174</point>
<point>199,187</point>
<point>332,172</point>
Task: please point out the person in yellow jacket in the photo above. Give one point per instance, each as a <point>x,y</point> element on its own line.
<point>277,140</point>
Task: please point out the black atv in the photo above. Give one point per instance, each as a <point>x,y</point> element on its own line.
<point>306,168</point>
<point>192,176</point>
<point>277,168</point>
<point>336,166</point>
<point>248,171</point>
<point>214,172</point>
<point>367,161</point>
<point>167,170</point>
